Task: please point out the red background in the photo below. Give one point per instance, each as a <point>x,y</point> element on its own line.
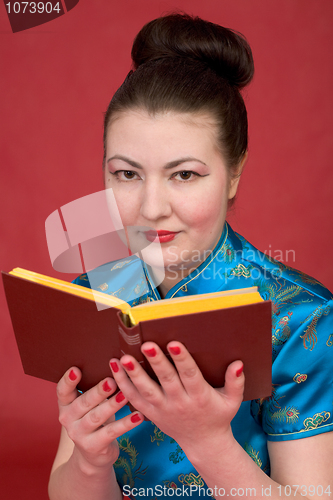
<point>56,82</point>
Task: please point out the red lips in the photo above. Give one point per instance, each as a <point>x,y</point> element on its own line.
<point>160,235</point>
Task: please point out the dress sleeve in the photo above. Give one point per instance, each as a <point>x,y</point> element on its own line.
<point>302,374</point>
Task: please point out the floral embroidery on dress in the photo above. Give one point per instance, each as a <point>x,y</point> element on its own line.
<point>141,288</point>
<point>299,378</point>
<point>129,475</point>
<point>158,435</point>
<point>310,334</point>
<point>315,421</point>
<point>289,292</point>
<point>280,294</point>
<point>282,332</point>
<point>253,454</point>
<point>276,262</point>
<point>84,277</point>
<point>241,270</point>
<point>170,484</point>
<point>289,414</point>
<point>191,478</point>
<point>178,455</point>
<point>329,342</point>
<point>175,456</point>
<point>117,292</point>
<point>103,287</point>
<point>269,410</point>
<point>227,253</point>
<point>304,278</point>
<point>119,265</point>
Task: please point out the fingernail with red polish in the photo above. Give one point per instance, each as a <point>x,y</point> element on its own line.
<point>150,352</point>
<point>174,350</point>
<point>135,418</point>
<point>120,397</point>
<point>72,376</point>
<point>129,366</point>
<point>114,367</point>
<point>106,387</point>
<point>239,371</point>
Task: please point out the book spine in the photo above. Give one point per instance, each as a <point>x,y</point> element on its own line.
<point>130,340</point>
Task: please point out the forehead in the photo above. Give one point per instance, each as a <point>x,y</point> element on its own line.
<point>167,131</point>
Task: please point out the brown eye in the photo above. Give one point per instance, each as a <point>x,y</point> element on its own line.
<point>129,174</point>
<point>185,175</point>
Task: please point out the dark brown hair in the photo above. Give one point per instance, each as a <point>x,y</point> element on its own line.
<point>188,65</point>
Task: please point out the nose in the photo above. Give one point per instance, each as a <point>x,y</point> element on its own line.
<point>155,202</point>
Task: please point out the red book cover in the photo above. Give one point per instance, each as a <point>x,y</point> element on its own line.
<point>56,330</point>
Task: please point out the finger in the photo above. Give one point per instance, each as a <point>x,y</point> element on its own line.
<point>164,370</point>
<point>188,370</point>
<point>234,382</point>
<point>114,430</point>
<point>89,400</point>
<point>102,413</point>
<point>135,383</point>
<point>66,388</point>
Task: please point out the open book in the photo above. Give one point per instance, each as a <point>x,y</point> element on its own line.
<point>57,325</point>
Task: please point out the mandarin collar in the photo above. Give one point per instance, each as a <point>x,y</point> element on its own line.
<point>199,277</point>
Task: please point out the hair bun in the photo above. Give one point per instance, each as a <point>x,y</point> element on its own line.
<point>179,35</point>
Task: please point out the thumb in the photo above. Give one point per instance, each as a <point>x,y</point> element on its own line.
<point>234,382</point>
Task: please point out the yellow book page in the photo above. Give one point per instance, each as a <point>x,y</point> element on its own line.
<point>196,303</point>
<point>64,286</point>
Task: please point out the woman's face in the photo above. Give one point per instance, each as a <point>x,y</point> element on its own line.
<point>167,173</point>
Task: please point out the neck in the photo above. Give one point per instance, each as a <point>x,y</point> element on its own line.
<point>172,277</point>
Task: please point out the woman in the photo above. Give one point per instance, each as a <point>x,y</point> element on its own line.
<point>175,145</point>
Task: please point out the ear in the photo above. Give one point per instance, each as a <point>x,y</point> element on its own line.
<point>234,181</point>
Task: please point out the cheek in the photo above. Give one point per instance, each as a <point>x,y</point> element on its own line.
<point>127,212</point>
<point>126,201</point>
<point>205,212</point>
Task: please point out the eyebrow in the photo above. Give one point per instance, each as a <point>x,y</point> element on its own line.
<point>170,164</point>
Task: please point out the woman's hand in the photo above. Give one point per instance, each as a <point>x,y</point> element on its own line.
<point>184,406</point>
<point>89,419</point>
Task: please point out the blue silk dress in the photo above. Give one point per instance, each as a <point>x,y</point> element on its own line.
<point>151,462</point>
